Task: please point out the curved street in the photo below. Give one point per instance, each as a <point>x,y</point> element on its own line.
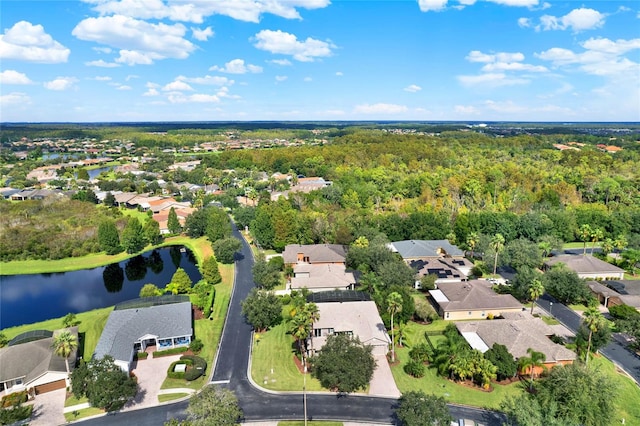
<point>231,371</point>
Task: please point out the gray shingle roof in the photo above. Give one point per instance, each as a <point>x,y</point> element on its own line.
<point>518,335</point>
<point>32,360</point>
<point>473,295</point>
<point>584,264</point>
<point>411,249</point>
<point>317,253</point>
<point>125,327</point>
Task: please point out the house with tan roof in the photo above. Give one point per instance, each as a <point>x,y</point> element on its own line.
<point>621,292</point>
<point>587,266</point>
<point>472,300</point>
<point>315,254</point>
<point>355,318</point>
<point>321,277</point>
<point>518,332</point>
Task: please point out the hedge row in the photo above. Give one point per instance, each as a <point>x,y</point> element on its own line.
<point>12,415</point>
<point>196,368</point>
<point>209,304</point>
<point>172,351</point>
<point>14,399</point>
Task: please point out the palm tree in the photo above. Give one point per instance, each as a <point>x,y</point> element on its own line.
<point>535,359</point>
<point>594,320</point>
<point>300,329</point>
<point>596,235</point>
<point>620,242</point>
<point>64,344</point>
<point>394,305</point>
<point>472,241</point>
<point>313,314</point>
<point>585,233</point>
<point>497,243</point>
<point>545,247</point>
<point>607,246</point>
<point>536,289</point>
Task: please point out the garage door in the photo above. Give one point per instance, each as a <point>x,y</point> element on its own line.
<point>60,384</point>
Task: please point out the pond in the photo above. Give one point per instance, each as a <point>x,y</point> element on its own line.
<point>25,299</point>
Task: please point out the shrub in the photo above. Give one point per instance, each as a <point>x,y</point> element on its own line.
<point>209,304</point>
<point>15,414</point>
<point>624,312</point>
<point>142,355</point>
<point>196,345</point>
<point>172,351</point>
<point>286,299</point>
<point>172,374</point>
<point>198,367</point>
<point>420,353</point>
<point>14,399</point>
<point>414,368</point>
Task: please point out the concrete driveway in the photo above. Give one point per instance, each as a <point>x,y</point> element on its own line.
<point>382,382</point>
<point>48,408</point>
<point>150,372</point>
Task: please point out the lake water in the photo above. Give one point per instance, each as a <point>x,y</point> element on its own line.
<point>25,299</point>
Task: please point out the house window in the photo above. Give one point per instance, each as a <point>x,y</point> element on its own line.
<point>483,313</point>
<point>469,312</point>
<point>317,332</point>
<point>447,314</point>
<point>17,382</point>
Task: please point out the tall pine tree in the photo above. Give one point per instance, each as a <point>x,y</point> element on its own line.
<point>108,237</point>
<point>133,239</point>
<point>173,223</point>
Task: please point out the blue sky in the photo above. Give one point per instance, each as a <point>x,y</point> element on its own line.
<point>209,60</point>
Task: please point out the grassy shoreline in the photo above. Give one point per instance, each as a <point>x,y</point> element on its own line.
<point>200,248</point>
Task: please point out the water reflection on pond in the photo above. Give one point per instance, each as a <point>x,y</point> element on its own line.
<point>26,299</point>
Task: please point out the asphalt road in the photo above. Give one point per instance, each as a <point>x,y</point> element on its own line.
<point>230,371</point>
<point>615,351</point>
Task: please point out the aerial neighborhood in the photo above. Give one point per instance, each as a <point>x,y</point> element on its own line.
<point>331,261</point>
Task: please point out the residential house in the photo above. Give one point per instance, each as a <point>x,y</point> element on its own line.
<point>472,299</point>
<point>434,257</point>
<point>131,330</point>
<point>518,332</point>
<point>358,318</point>
<point>321,277</point>
<point>621,292</point>
<point>33,364</point>
<point>587,266</point>
<point>315,254</point>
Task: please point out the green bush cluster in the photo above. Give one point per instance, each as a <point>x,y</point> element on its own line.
<point>196,345</point>
<point>421,353</point>
<point>14,399</point>
<point>178,374</point>
<point>198,368</point>
<point>168,352</point>
<point>414,368</point>
<point>142,355</point>
<point>12,415</point>
<point>209,304</point>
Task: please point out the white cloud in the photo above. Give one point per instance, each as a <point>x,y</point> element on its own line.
<point>139,42</point>
<point>380,108</point>
<point>438,5</point>
<point>152,89</point>
<point>61,83</point>
<point>477,56</point>
<point>490,80</point>
<point>281,62</point>
<point>339,74</point>
<point>15,98</point>
<point>432,5</point>
<point>577,20</point>
<point>237,66</point>
<point>177,86</point>
<point>412,88</point>
<point>281,77</point>
<point>102,64</point>
<point>602,57</point>
<point>27,42</point>
<point>101,78</point>
<point>131,77</point>
<point>202,35</point>
<point>466,109</point>
<point>196,11</point>
<point>308,79</point>
<point>14,77</point>
<point>283,43</point>
<point>513,66</point>
<point>123,87</point>
<point>524,22</point>
<point>178,98</point>
<point>207,80</point>
<point>102,49</point>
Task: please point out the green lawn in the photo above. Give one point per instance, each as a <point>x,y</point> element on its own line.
<point>200,247</point>
<point>550,320</point>
<point>171,396</point>
<point>91,325</point>
<point>272,364</point>
<point>310,423</point>
<point>81,414</point>
<point>627,399</point>
<point>579,245</point>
